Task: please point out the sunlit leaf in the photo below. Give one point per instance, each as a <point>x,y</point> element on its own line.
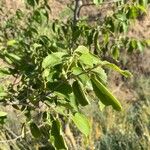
<point>104,94</point>
<point>126,73</point>
<point>53,59</point>
<point>82,50</point>
<point>82,123</point>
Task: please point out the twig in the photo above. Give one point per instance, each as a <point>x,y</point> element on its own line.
<point>78,4</point>
<point>17,137</point>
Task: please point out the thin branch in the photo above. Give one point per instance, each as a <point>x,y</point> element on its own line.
<point>17,137</point>
<point>91,4</point>
<point>78,4</point>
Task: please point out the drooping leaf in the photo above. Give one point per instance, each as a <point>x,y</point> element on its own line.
<point>126,73</point>
<point>82,123</point>
<point>56,136</point>
<point>35,131</point>
<point>104,94</point>
<point>79,94</point>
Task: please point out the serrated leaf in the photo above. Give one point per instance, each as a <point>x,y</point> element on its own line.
<point>82,123</point>
<point>53,59</point>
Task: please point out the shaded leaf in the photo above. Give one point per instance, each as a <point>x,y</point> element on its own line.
<point>79,94</point>
<point>3,116</point>
<point>35,131</point>
<point>56,137</point>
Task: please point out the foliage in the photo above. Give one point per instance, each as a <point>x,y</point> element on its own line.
<point>54,73</point>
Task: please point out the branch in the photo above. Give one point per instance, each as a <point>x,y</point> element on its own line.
<point>78,4</point>
<point>17,137</point>
<point>90,4</point>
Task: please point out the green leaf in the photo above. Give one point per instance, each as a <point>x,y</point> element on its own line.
<point>32,2</point>
<point>63,88</point>
<point>101,106</point>
<point>140,46</point>
<point>104,94</point>
<point>4,72</point>
<point>11,42</point>
<point>82,123</point>
<point>13,56</point>
<point>101,74</point>
<point>143,3</point>
<point>142,8</point>
<point>2,93</point>
<point>126,73</point>
<point>97,2</point>
<point>89,59</point>
<point>81,50</point>
<point>56,137</point>
<point>133,12</point>
<point>78,72</point>
<point>35,131</point>
<point>53,59</point>
<point>3,116</point>
<point>115,52</point>
<point>80,94</point>
<point>73,103</point>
